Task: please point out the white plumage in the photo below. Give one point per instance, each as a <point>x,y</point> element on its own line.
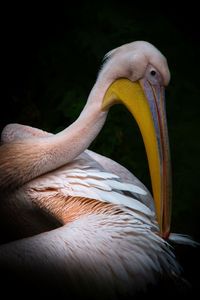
<point>84,177</point>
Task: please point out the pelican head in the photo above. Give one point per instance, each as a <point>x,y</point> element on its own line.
<point>137,74</point>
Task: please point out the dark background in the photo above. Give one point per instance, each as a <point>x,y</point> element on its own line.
<point>52,57</point>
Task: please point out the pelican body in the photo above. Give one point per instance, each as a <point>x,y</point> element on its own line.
<point>80,218</point>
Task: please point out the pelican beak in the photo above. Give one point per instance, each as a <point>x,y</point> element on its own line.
<point>146,102</point>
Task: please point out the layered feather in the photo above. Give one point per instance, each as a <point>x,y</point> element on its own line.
<point>84,177</point>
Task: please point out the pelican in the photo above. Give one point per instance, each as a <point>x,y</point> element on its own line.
<point>82,218</point>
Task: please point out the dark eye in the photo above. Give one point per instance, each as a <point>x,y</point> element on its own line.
<point>153,75</point>
<point>153,72</point>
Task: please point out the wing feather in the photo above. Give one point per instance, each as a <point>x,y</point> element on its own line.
<point>86,178</point>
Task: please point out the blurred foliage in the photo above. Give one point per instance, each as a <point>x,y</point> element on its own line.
<point>53,57</point>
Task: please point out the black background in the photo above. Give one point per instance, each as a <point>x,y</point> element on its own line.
<point>52,55</point>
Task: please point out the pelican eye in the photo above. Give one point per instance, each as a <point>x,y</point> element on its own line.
<point>153,72</point>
